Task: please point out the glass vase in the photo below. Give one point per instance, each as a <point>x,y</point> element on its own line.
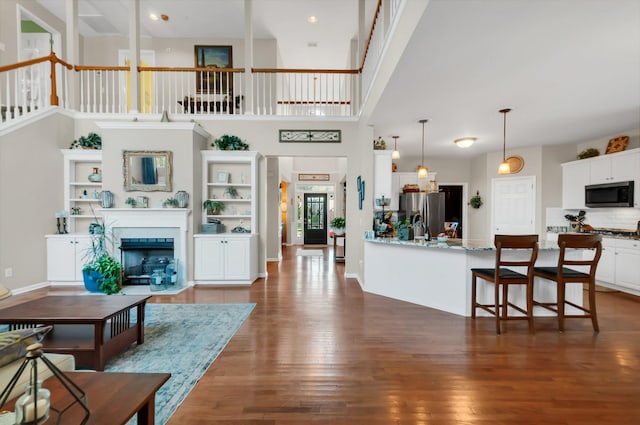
<point>95,176</point>
<point>32,407</point>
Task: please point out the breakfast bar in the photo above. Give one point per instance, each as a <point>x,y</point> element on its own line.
<point>437,274</point>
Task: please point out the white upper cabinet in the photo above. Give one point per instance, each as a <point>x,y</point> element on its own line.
<point>575,176</point>
<point>614,168</point>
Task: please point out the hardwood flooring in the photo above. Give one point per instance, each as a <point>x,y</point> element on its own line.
<point>316,349</point>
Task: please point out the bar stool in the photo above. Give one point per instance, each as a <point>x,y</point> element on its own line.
<point>563,275</point>
<point>506,277</point>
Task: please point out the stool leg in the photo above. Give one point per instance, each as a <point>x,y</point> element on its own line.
<point>497,305</point>
<point>530,305</point>
<point>473,295</point>
<point>592,306</point>
<point>560,306</point>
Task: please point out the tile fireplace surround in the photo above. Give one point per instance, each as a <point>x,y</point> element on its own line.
<point>152,223</point>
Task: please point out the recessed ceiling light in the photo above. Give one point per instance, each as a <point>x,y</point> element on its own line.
<point>312,19</point>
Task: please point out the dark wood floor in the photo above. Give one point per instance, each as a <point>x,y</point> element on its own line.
<point>316,349</point>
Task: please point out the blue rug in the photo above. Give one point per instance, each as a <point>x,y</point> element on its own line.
<point>181,339</point>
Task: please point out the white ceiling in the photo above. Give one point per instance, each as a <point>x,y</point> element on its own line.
<point>569,69</point>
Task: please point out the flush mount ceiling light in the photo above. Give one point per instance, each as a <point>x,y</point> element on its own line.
<point>155,17</point>
<point>465,142</point>
<point>395,154</point>
<point>422,170</point>
<point>312,19</point>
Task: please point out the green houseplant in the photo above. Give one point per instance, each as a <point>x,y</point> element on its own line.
<point>212,206</point>
<point>102,272</point>
<point>338,224</point>
<point>171,202</point>
<point>476,201</point>
<point>228,142</point>
<point>91,141</point>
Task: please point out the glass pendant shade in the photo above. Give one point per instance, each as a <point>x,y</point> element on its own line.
<point>395,154</point>
<point>422,170</point>
<point>504,167</point>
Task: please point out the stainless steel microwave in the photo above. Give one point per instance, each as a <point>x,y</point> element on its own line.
<point>609,195</point>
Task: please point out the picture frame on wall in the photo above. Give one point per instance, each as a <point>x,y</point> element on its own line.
<point>214,58</point>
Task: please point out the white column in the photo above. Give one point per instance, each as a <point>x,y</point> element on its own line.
<point>134,54</point>
<point>73,51</point>
<point>248,56</point>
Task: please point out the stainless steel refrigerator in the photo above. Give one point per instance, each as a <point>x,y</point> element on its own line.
<point>428,208</point>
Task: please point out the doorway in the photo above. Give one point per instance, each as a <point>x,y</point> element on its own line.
<point>315,219</point>
<point>453,209</point>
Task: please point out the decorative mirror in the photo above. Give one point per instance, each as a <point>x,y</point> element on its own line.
<point>147,171</point>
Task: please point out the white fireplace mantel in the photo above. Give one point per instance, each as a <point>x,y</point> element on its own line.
<point>146,217</point>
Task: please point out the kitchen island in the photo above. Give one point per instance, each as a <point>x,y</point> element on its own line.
<point>438,274</point>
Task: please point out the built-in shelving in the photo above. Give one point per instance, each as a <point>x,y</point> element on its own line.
<point>79,191</point>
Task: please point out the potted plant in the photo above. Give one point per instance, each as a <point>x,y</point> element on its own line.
<point>231,192</point>
<point>91,141</point>
<point>171,202</point>
<point>228,142</point>
<point>338,224</point>
<point>102,272</point>
<point>476,201</point>
<point>131,202</point>
<point>213,206</point>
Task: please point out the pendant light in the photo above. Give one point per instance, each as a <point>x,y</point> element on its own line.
<point>422,170</point>
<point>504,167</point>
<point>395,154</point>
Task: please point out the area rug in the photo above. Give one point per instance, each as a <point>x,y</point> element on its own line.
<point>309,252</point>
<point>181,339</point>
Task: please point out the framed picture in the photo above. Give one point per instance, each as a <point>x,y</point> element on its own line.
<point>214,58</point>
<point>223,177</point>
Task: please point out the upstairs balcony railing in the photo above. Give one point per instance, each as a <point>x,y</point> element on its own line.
<point>31,86</point>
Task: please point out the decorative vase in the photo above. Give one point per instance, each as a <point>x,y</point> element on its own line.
<point>157,280</point>
<point>106,199</point>
<point>338,232</point>
<point>96,176</point>
<point>33,406</point>
<point>183,198</point>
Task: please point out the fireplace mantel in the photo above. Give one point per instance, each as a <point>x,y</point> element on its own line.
<point>147,217</point>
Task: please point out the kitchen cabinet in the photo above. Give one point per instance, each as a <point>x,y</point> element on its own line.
<point>611,168</point>
<point>575,176</point>
<point>66,255</point>
<point>225,259</point>
<point>618,266</point>
<point>383,179</point>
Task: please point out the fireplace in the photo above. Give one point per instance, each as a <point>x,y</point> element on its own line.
<point>141,257</point>
<point>155,235</point>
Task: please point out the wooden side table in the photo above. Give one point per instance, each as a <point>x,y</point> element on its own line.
<point>339,258</point>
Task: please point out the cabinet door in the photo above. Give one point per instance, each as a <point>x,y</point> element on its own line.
<point>574,177</point>
<point>599,170</point>
<point>627,259</point>
<point>61,259</point>
<point>382,175</point>
<point>209,259</point>
<point>624,168</point>
<point>83,247</point>
<point>606,266</point>
<point>237,258</point>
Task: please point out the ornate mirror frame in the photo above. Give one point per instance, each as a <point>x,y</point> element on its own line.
<point>147,171</point>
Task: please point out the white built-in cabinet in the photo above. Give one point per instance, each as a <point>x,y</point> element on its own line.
<point>574,177</point>
<point>611,168</point>
<point>618,265</point>
<point>66,257</point>
<point>221,259</point>
<point>229,257</point>
<point>79,192</point>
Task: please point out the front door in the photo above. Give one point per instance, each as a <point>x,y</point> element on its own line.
<point>315,218</point>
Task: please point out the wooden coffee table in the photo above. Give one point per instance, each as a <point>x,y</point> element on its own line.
<point>113,398</point>
<point>93,328</point>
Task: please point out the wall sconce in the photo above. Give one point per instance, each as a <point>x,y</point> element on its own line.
<point>465,142</point>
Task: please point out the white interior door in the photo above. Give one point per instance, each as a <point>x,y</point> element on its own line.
<point>513,205</point>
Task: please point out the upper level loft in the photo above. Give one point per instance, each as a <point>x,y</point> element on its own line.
<point>205,84</point>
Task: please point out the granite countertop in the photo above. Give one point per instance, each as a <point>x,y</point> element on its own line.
<point>458,244</point>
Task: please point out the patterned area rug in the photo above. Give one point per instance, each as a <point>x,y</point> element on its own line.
<point>309,252</point>
<point>182,339</point>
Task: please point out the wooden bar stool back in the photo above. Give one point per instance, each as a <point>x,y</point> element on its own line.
<point>524,244</point>
<point>562,275</point>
